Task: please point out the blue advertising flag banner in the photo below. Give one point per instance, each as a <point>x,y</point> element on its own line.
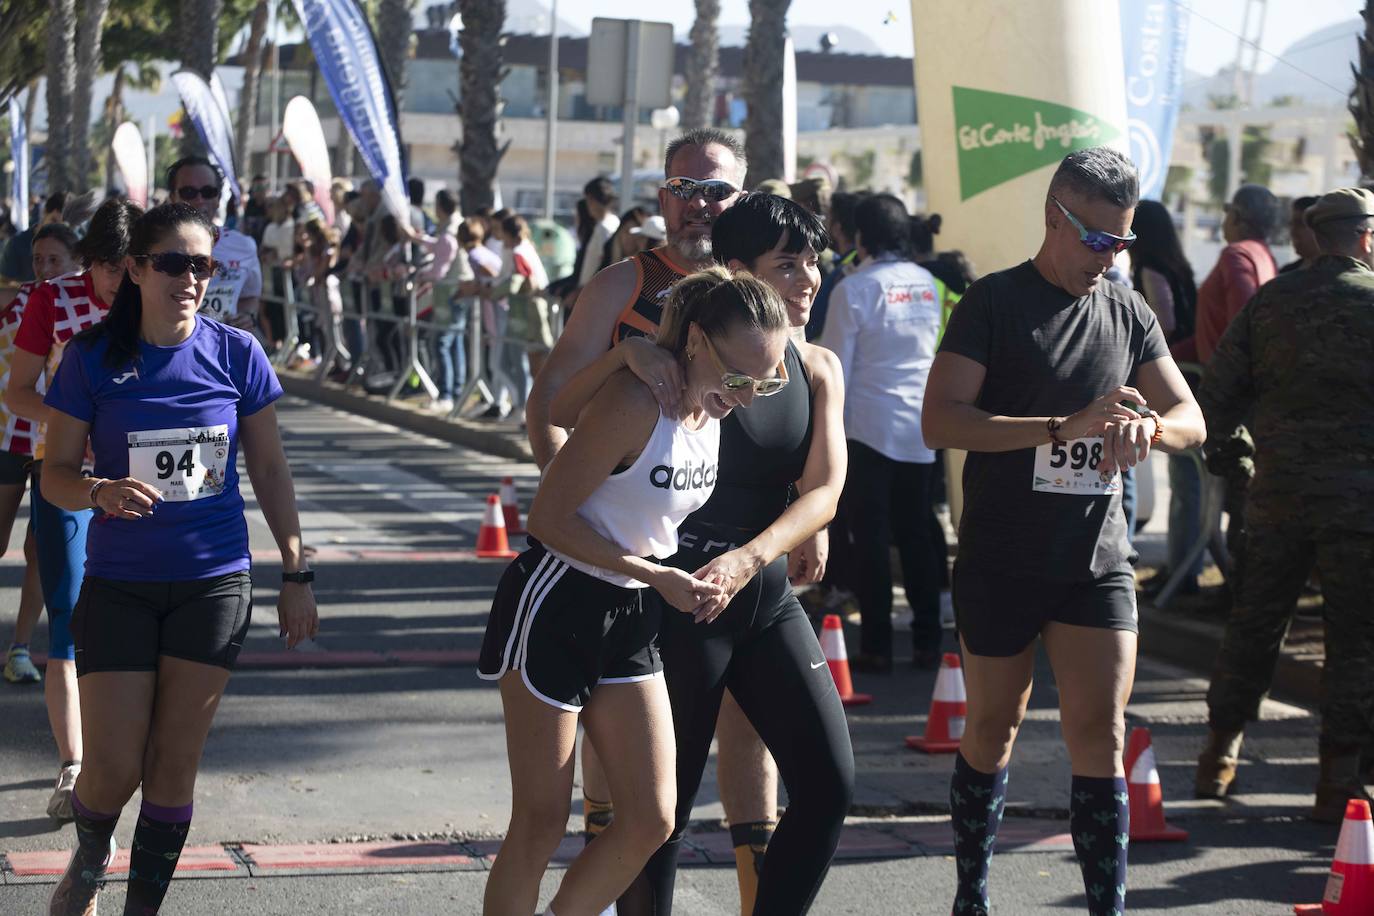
<point>19,179</point>
<point>211,121</point>
<point>347,54</point>
<point>1154,36</point>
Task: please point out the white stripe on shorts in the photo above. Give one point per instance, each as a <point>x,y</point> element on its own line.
<point>522,651</point>
<point>520,607</point>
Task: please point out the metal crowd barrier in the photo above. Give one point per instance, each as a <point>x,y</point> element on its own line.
<point>408,345</point>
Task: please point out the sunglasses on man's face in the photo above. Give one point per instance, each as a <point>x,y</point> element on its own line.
<point>174,264</point>
<point>1100,242</point>
<point>714,190</point>
<point>208,191</point>
<point>738,381</point>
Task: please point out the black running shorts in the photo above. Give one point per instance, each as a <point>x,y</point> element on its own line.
<point>14,469</point>
<point>999,615</point>
<point>126,626</point>
<point>567,632</point>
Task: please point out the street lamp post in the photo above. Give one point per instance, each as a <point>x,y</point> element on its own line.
<point>551,128</point>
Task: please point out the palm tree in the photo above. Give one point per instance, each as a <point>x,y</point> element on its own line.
<point>199,35</point>
<point>480,107</point>
<point>90,25</point>
<point>1362,98</point>
<point>395,28</point>
<point>703,62</point>
<point>252,82</point>
<point>763,89</point>
<point>61,74</point>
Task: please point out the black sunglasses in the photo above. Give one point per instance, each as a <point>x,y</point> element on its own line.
<point>208,191</point>
<point>174,264</point>
<point>714,189</point>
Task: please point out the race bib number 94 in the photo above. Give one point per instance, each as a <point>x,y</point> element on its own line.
<point>1073,468</point>
<point>185,464</point>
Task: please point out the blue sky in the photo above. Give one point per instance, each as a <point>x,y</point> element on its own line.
<point>1210,46</point>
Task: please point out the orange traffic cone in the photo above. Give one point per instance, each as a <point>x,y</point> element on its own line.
<point>491,537</point>
<point>1146,794</point>
<point>832,646</point>
<point>1350,887</point>
<point>948,709</point>
<point>510,506</point>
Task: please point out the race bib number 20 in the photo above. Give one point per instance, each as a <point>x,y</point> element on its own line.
<point>1073,468</point>
<point>185,464</point>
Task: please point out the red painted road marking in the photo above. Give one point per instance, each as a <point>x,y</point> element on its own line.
<point>355,855</point>
<point>54,862</point>
<point>425,658</point>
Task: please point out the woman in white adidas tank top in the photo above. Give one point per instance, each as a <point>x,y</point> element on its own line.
<point>568,633</point>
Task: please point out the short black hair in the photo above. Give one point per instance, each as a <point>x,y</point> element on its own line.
<point>444,200</point>
<point>1302,204</point>
<point>108,236</point>
<point>1099,172</point>
<point>601,190</point>
<point>415,187</point>
<point>883,225</point>
<point>187,162</point>
<point>56,202</point>
<point>60,231</point>
<point>924,228</point>
<point>757,223</point>
<point>842,207</point>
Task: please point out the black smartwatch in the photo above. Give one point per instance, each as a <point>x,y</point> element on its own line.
<point>302,577</point>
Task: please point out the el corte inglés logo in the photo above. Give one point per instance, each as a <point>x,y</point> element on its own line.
<point>1001,137</point>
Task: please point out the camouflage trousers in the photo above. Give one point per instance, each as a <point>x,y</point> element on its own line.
<point>1276,565</point>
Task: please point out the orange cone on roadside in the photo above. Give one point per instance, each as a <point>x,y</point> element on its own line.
<point>1350,887</point>
<point>948,709</point>
<point>1146,794</point>
<point>832,646</point>
<point>510,507</point>
<point>491,537</point>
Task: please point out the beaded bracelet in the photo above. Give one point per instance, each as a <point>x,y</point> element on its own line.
<point>1053,425</point>
<point>95,491</point>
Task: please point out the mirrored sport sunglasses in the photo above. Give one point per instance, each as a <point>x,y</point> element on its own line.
<point>1095,239</point>
<point>738,381</point>
<point>174,264</point>
<point>189,192</point>
<point>714,190</point>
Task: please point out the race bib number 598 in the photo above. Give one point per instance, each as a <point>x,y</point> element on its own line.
<point>185,464</point>
<point>1073,468</point>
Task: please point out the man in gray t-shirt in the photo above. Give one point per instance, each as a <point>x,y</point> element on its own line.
<point>1050,376</point>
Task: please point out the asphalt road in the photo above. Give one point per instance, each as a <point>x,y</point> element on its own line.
<point>382,732</point>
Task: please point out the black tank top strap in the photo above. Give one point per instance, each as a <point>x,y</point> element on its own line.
<point>763,451</point>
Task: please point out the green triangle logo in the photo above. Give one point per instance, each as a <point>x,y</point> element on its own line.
<point>1001,137</point>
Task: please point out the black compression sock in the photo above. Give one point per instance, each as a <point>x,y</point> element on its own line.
<point>1099,818</point>
<point>93,832</point>
<point>158,840</point>
<point>976,802</point>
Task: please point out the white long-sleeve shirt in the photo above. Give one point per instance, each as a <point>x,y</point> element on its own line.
<point>883,324</point>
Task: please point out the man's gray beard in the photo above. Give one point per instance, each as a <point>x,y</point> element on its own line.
<point>695,251</point>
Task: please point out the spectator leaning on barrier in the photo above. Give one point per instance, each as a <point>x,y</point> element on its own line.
<point>1304,240</point>
<point>602,204</point>
<point>1296,362</point>
<point>884,325</point>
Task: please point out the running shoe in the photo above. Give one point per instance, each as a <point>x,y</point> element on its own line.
<point>78,890</point>
<point>19,668</point>
<point>60,805</point>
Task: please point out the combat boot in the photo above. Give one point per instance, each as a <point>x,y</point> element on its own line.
<point>1341,779</point>
<point>1216,766</point>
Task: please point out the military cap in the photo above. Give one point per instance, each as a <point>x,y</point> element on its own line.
<point>1344,203</point>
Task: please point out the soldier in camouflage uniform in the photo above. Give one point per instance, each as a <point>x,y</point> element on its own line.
<point>1297,361</point>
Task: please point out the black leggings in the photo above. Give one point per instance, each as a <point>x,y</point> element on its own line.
<point>764,649</point>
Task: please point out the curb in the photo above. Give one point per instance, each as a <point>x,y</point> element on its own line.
<point>1193,644</point>
<point>482,436</point>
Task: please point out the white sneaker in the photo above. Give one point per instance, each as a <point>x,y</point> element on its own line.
<point>442,405</point>
<point>78,892</point>
<point>946,610</point>
<point>60,804</point>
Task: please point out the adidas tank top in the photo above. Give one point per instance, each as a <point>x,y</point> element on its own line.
<point>641,507</point>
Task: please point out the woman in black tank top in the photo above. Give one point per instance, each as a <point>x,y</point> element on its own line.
<point>782,466</point>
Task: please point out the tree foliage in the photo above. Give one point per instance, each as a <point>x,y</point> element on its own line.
<point>1362,98</point>
<point>763,54</point>
<point>480,151</point>
<point>703,63</point>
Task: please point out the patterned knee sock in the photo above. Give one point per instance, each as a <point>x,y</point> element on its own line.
<point>1100,820</point>
<point>976,802</point>
<point>751,844</point>
<point>596,817</point>
<point>158,839</point>
<point>93,832</point>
